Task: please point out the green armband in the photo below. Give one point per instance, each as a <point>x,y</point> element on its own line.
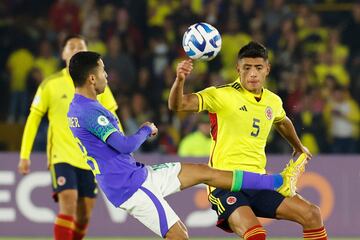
<point>237,180</point>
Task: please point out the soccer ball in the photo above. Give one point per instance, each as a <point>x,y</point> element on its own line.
<point>201,41</point>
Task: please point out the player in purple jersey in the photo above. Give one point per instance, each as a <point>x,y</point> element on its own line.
<point>133,186</point>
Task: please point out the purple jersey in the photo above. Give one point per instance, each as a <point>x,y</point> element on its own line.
<point>117,172</point>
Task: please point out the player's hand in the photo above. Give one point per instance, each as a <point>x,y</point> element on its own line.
<point>154,129</point>
<point>302,149</point>
<point>183,69</point>
<point>24,166</point>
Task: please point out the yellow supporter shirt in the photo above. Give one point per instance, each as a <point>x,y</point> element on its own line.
<point>20,63</point>
<point>53,97</point>
<point>195,144</point>
<point>239,125</point>
<point>47,66</point>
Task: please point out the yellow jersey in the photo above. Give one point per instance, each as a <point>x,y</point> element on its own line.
<point>53,97</point>
<point>240,125</point>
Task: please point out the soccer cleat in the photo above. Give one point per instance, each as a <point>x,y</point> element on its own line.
<point>291,174</point>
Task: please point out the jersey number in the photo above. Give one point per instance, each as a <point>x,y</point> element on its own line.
<point>256,127</point>
<point>89,160</point>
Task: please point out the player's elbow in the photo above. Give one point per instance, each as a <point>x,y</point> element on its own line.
<point>173,106</point>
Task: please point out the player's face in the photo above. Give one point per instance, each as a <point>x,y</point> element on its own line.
<point>73,46</point>
<point>101,78</point>
<point>253,73</point>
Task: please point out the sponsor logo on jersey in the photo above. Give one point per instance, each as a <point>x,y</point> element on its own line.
<point>102,120</point>
<point>231,200</point>
<point>269,113</point>
<point>243,108</point>
<point>61,181</point>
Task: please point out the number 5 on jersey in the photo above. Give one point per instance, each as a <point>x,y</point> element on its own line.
<point>256,127</point>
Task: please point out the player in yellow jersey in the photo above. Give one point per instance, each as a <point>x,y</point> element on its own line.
<point>241,116</point>
<point>73,182</point>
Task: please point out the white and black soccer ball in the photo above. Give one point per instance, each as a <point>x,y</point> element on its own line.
<point>201,41</point>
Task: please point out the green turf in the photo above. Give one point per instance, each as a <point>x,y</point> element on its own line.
<point>143,238</point>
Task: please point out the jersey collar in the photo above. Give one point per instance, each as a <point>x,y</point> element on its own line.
<point>249,95</point>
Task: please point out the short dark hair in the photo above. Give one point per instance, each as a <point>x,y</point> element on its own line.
<point>81,65</point>
<point>253,50</point>
<point>71,36</point>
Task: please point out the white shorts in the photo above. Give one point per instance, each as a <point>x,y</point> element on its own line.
<point>148,204</point>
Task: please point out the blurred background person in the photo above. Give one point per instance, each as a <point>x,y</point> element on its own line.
<point>198,142</point>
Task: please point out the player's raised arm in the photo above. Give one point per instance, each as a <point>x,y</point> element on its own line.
<point>129,144</point>
<point>177,100</point>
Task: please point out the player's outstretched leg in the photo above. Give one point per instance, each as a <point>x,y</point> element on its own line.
<point>192,174</point>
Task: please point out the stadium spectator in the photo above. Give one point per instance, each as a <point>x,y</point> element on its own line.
<point>198,142</point>
<point>121,64</point>
<point>19,64</point>
<point>64,16</point>
<point>45,60</point>
<point>342,116</point>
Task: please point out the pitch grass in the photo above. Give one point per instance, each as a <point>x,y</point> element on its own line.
<point>144,238</point>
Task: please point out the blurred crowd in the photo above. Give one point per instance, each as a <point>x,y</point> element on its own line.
<point>314,52</point>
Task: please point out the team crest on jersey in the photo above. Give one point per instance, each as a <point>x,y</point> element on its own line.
<point>269,113</point>
<point>102,120</point>
<point>231,200</point>
<point>61,181</point>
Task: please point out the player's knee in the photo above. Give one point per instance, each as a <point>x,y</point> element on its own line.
<point>312,216</point>
<point>67,202</point>
<point>177,232</point>
<point>181,236</point>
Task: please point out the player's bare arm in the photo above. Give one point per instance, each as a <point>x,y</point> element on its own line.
<point>287,131</point>
<point>177,100</point>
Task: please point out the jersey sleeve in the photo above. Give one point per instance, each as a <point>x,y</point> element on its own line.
<point>30,130</point>
<point>41,101</point>
<point>209,100</point>
<point>96,122</point>
<point>280,113</point>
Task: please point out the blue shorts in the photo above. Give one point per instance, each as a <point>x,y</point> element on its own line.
<point>65,176</point>
<point>263,203</point>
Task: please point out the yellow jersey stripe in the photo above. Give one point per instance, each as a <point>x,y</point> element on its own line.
<point>217,202</point>
<point>50,146</point>
<point>53,176</point>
